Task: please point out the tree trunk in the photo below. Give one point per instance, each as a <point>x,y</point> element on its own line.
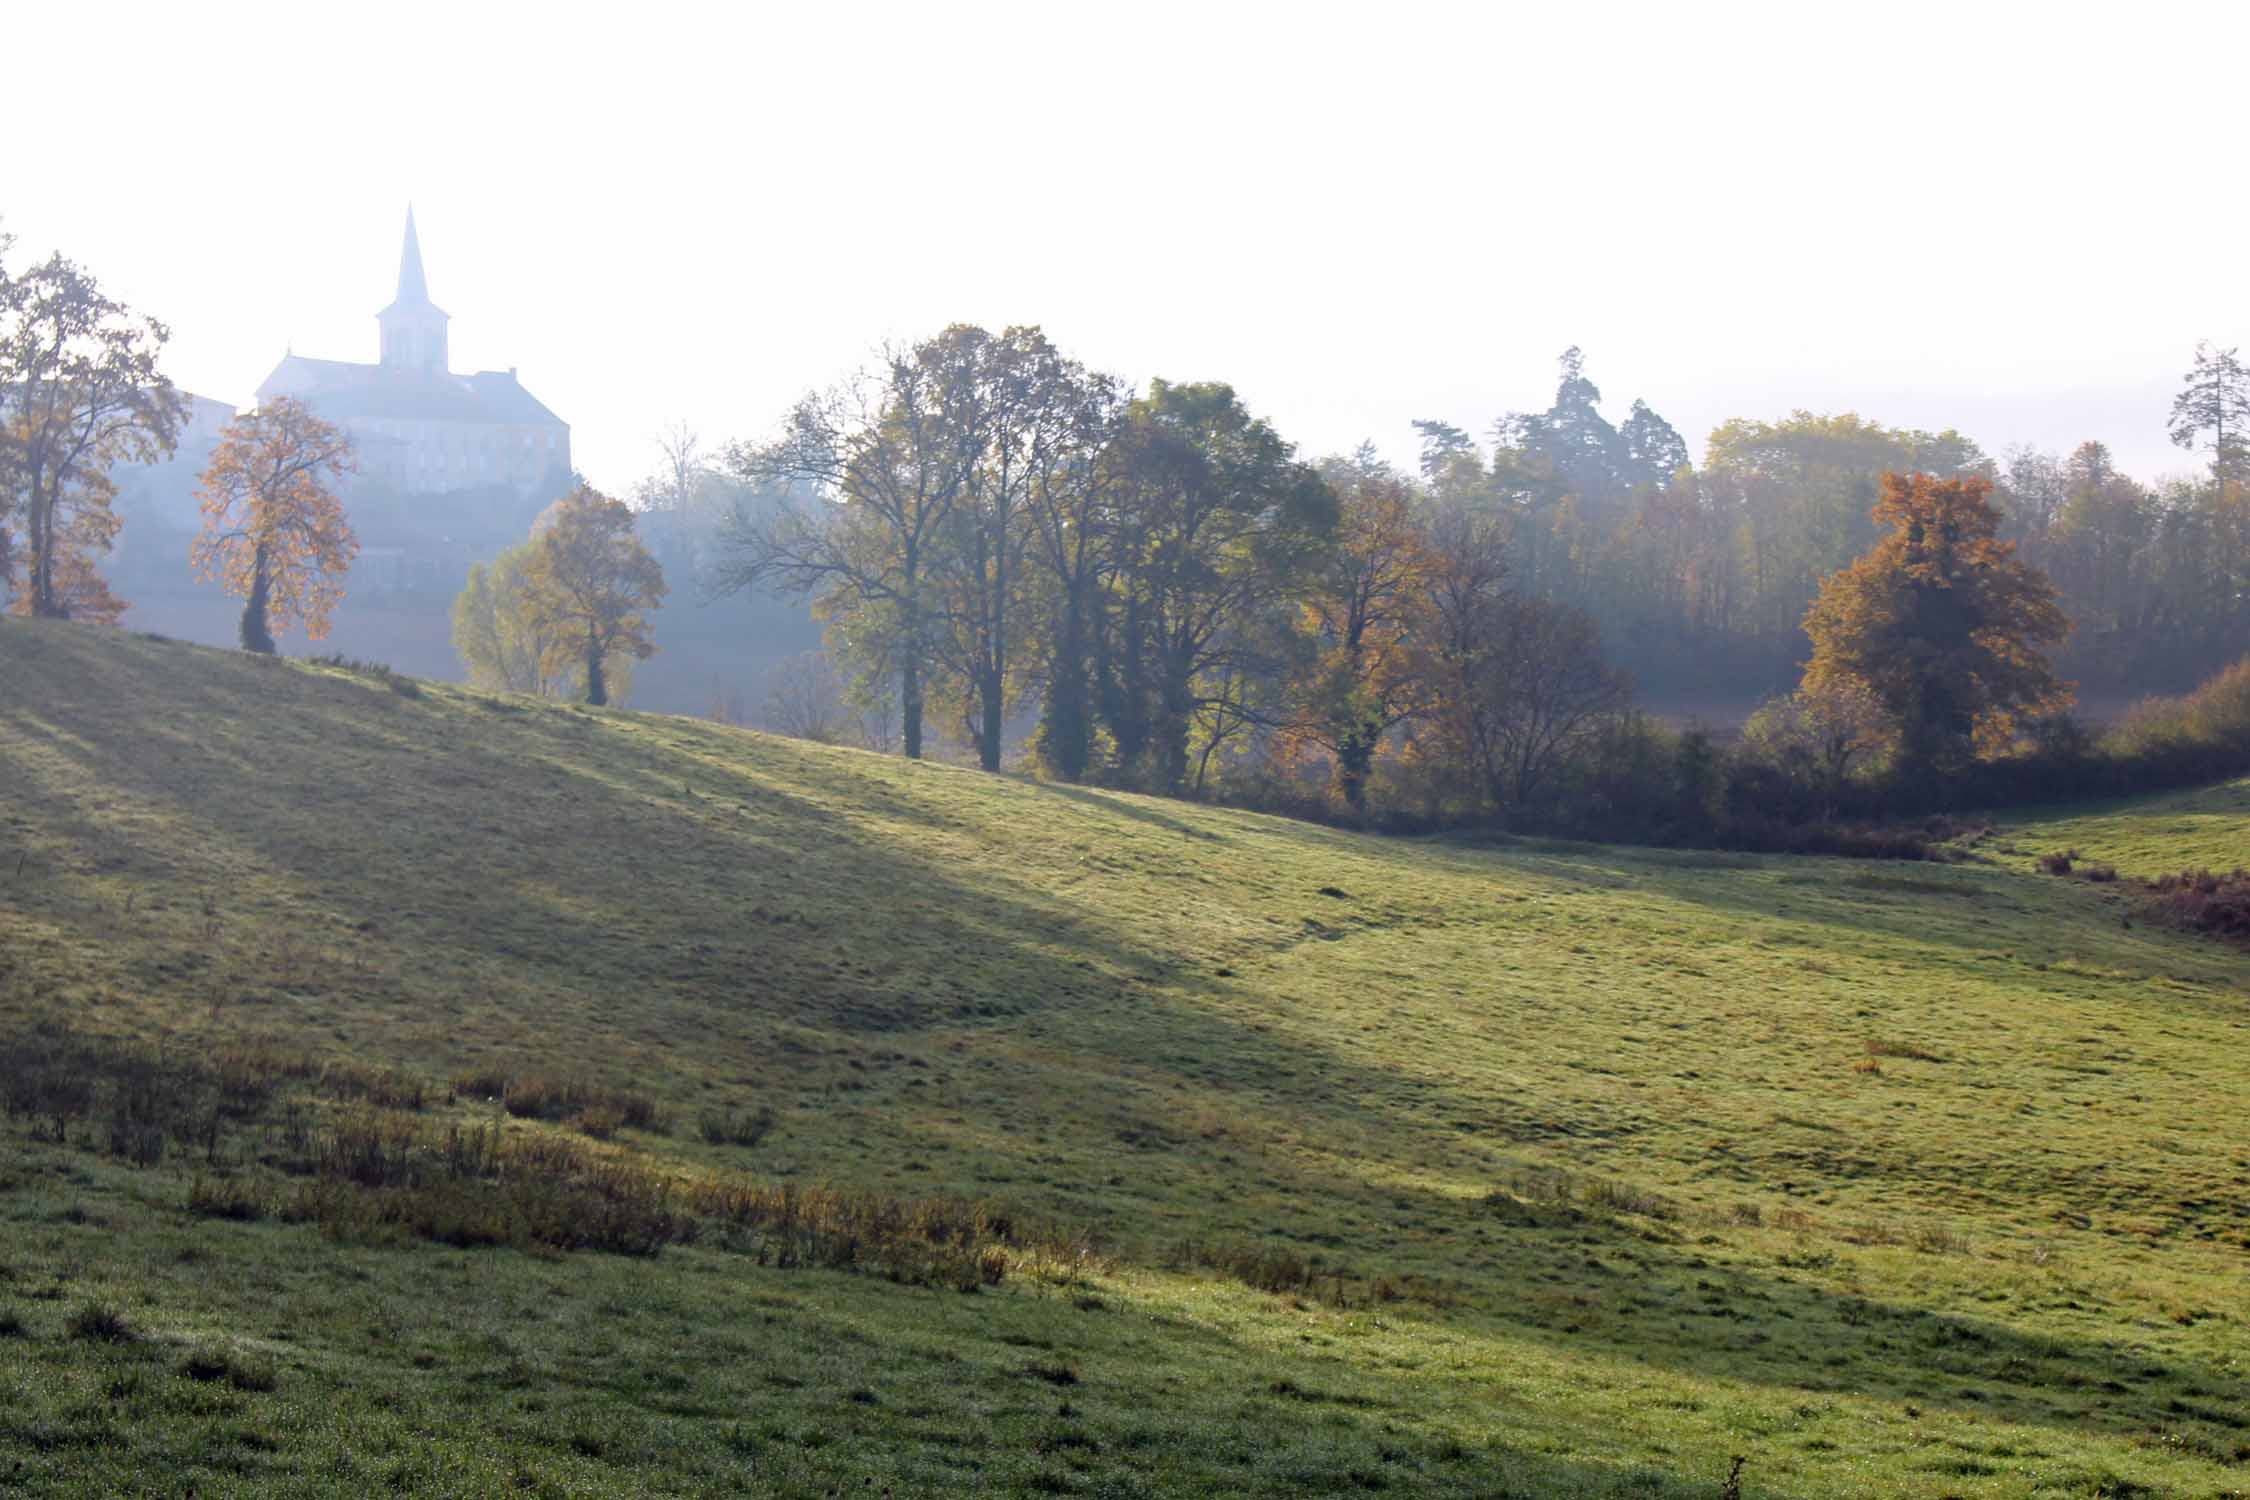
<point>1064,738</point>
<point>255,636</point>
<point>597,686</point>
<point>988,738</point>
<point>1172,733</point>
<point>910,706</point>
<point>1355,761</point>
<point>40,529</point>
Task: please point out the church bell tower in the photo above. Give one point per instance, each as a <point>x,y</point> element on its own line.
<point>413,325</point>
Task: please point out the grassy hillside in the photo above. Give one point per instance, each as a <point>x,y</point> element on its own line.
<point>1902,1180</point>
<point>2207,829</point>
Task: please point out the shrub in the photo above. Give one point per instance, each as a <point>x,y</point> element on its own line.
<point>374,671</point>
<point>210,1362</point>
<point>2205,901</point>
<point>481,1083</point>
<point>385,1087</point>
<point>1908,1050</point>
<point>2058,864</point>
<point>735,1127</point>
<point>225,1198</point>
<point>98,1322</point>
<point>542,1098</point>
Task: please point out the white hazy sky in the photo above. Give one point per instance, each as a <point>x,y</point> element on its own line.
<point>2013,219</point>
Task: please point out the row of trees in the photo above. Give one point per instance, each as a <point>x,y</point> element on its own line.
<point>989,528</point>
<point>1701,576</point>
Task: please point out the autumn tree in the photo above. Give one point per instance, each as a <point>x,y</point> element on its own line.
<point>80,392</point>
<point>1941,623</point>
<point>274,532</point>
<point>588,584</point>
<point>2215,399</point>
<point>1361,678</point>
<point>500,637</point>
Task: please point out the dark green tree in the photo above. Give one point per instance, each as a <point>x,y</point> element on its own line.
<point>1651,450</point>
<point>2215,399</point>
<point>1218,522</point>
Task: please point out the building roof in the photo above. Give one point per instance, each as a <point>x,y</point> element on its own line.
<point>340,391</point>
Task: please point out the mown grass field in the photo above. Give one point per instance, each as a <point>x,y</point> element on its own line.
<point>1895,1180</point>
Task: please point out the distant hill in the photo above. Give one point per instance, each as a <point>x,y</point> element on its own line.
<point>1565,1170</point>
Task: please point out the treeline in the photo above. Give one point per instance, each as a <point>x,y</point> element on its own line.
<point>1164,595</point>
<point>1701,575</point>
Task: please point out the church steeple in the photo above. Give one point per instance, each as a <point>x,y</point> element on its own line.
<point>413,326</point>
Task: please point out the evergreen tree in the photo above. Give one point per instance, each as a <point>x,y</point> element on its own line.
<point>1572,435</point>
<point>2216,399</point>
<point>1652,449</point>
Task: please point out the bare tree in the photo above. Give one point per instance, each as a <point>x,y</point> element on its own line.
<point>885,477</point>
<point>805,699</point>
<point>1549,690</point>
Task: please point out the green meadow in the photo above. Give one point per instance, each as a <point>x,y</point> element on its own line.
<point>2207,829</point>
<point>1357,1164</point>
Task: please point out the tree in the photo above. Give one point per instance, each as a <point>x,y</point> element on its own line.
<point>79,393</point>
<point>1357,612</point>
<point>1071,512</point>
<point>1543,690</point>
<point>1941,623</point>
<point>1817,735</point>
<point>2216,399</point>
<point>805,698</point>
<point>1572,435</point>
<point>1651,451</point>
<point>1013,410</point>
<point>274,533</point>
<point>1217,523</point>
<point>885,475</point>
<point>588,583</point>
<point>499,637</point>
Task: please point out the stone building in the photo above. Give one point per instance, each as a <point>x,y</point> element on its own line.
<point>421,431</point>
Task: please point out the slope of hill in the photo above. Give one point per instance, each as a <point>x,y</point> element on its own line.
<point>1579,1169</point>
<point>2207,829</point>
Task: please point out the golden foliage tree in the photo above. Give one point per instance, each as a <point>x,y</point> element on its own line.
<point>507,644</point>
<point>588,584</point>
<point>495,631</point>
<point>274,533</point>
<point>79,393</point>
<point>1941,623</point>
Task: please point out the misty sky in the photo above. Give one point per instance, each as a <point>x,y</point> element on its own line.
<point>2014,219</point>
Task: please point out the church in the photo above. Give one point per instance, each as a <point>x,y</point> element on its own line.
<point>420,430</point>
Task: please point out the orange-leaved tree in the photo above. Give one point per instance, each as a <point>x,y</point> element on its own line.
<point>1942,623</point>
<point>587,584</point>
<point>274,533</point>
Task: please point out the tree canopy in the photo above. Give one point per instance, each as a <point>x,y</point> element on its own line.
<point>274,532</point>
<point>1941,623</point>
<point>588,585</point>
